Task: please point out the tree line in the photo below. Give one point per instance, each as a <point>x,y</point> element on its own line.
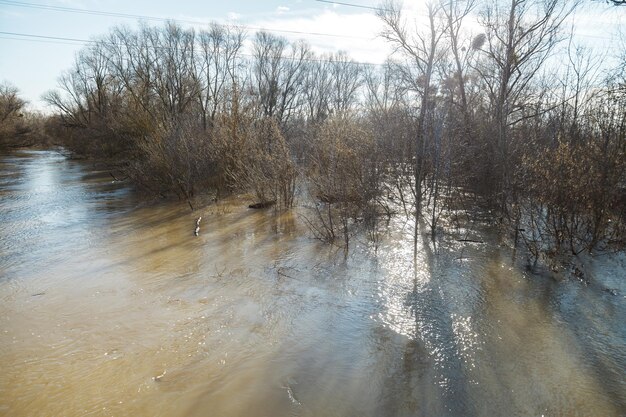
<point>484,103</point>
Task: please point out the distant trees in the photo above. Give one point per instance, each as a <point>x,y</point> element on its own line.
<point>10,103</point>
<point>11,106</point>
<point>19,126</point>
<point>278,72</point>
<point>218,68</point>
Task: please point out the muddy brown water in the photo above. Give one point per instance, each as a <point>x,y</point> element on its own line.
<point>109,307</point>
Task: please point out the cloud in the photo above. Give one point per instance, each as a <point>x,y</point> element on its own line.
<point>357,33</point>
<point>282,9</point>
<point>233,16</point>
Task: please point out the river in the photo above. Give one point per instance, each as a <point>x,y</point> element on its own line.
<point>111,307</point>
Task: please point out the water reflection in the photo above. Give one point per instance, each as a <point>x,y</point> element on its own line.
<point>112,307</point>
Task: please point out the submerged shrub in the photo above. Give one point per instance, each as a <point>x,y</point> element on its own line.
<point>344,178</point>
<point>255,156</point>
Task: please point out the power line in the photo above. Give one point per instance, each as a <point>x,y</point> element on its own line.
<point>360,6</point>
<point>28,35</point>
<point>64,9</point>
<point>13,38</point>
<point>76,10</point>
<point>76,41</point>
<point>66,41</point>
<point>197,22</point>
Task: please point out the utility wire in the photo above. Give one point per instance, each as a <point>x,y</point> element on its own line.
<point>197,22</point>
<point>64,9</point>
<point>75,41</point>
<point>66,41</point>
<point>13,38</point>
<point>360,6</point>
<point>28,35</point>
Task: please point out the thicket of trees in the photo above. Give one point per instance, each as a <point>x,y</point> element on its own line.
<point>19,127</point>
<point>454,114</point>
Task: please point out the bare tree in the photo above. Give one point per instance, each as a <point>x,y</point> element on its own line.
<point>10,103</point>
<point>346,78</point>
<point>519,40</point>
<point>11,113</point>
<point>317,90</point>
<point>278,73</point>
<point>462,52</point>
<point>423,51</point>
<point>90,98</point>
<point>218,63</point>
<point>393,124</point>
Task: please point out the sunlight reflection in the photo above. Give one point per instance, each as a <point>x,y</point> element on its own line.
<point>399,291</point>
<point>467,339</point>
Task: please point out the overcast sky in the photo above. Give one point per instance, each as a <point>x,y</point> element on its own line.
<point>34,64</point>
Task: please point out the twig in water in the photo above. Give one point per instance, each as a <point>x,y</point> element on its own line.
<point>282,274</point>
<point>197,230</point>
<point>159,377</point>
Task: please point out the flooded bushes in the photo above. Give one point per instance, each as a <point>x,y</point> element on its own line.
<point>186,112</point>
<point>573,190</point>
<point>256,157</point>
<point>344,178</point>
<point>238,153</point>
<point>178,159</point>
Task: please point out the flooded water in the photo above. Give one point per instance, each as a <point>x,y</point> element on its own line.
<point>110,307</point>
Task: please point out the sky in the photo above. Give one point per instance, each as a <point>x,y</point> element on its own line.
<point>33,63</point>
